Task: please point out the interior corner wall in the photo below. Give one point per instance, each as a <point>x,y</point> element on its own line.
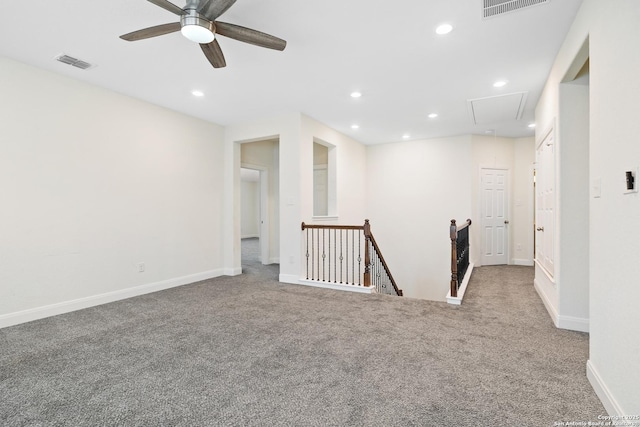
<point>94,183</point>
<point>522,201</point>
<point>250,207</point>
<point>285,128</point>
<point>414,189</point>
<point>573,207</point>
<point>491,152</point>
<point>350,163</point>
<point>614,223</point>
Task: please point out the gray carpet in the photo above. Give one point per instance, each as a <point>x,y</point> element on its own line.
<point>248,350</point>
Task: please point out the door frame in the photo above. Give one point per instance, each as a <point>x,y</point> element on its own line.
<point>264,210</point>
<point>507,208</point>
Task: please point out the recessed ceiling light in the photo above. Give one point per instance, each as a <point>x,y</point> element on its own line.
<point>197,93</point>
<point>355,127</point>
<point>406,136</point>
<point>500,83</point>
<point>532,125</point>
<point>489,131</point>
<point>444,29</point>
<point>433,115</point>
<point>356,94</point>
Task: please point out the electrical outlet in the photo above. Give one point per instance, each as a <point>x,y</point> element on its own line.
<point>141,267</point>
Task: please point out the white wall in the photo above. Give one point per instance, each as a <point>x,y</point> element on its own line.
<point>286,129</point>
<point>414,189</point>
<point>93,183</point>
<point>250,206</point>
<point>614,218</point>
<point>522,202</point>
<point>516,155</point>
<point>296,135</point>
<point>350,163</point>
<point>573,207</point>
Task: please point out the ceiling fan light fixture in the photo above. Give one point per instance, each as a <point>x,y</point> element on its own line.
<point>196,28</point>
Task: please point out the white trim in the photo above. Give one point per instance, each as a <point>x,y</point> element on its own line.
<point>337,286</point>
<point>602,391</point>
<point>250,236</point>
<point>264,218</point>
<point>288,278</point>
<point>523,262</point>
<point>546,272</point>
<point>463,287</point>
<point>579,324</point>
<point>274,260</point>
<point>236,271</point>
<point>324,218</point>
<point>545,300</point>
<point>37,313</point>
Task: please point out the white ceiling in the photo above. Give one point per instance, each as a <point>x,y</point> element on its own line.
<point>388,50</point>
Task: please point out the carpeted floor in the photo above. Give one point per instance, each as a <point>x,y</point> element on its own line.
<point>248,350</point>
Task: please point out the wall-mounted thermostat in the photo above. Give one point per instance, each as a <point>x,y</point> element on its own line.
<point>631,180</point>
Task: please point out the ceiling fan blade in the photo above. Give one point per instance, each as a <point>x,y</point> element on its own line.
<point>167,5</point>
<point>212,9</point>
<point>248,35</point>
<point>214,54</point>
<point>146,33</point>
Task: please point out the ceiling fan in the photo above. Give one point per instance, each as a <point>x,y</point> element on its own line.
<point>198,24</point>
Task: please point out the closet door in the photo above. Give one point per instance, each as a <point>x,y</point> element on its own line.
<point>545,203</point>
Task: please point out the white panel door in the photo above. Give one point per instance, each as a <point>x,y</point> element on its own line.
<point>545,204</point>
<point>494,215</point>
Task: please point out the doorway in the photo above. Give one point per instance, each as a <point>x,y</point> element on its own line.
<point>494,213</point>
<point>259,207</point>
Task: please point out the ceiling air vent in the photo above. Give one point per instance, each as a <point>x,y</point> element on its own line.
<point>70,60</point>
<point>498,7</point>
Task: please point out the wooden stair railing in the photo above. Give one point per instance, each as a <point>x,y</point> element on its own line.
<point>459,253</point>
<point>347,254</point>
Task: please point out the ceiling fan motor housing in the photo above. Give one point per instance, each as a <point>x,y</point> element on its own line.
<point>196,27</point>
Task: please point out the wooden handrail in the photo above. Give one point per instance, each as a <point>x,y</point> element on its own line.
<point>384,263</point>
<point>453,234</point>
<point>465,225</point>
<point>339,227</point>
<point>368,237</point>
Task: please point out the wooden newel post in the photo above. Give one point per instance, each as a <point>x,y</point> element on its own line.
<point>367,259</point>
<point>453,234</point>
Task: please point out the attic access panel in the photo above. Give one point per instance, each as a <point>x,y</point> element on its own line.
<point>497,109</point>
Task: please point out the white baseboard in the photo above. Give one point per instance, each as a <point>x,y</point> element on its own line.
<point>296,280</point>
<point>560,321</point>
<point>463,287</point>
<point>602,391</point>
<point>523,262</point>
<point>232,271</point>
<point>274,260</point>
<point>547,304</point>
<point>289,278</point>
<point>32,314</point>
<point>573,323</point>
<point>337,286</point>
